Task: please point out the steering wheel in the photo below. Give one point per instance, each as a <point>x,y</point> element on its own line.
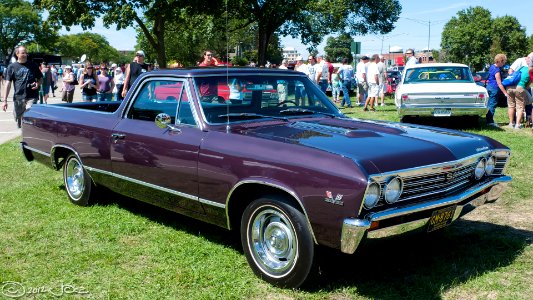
<point>285,102</point>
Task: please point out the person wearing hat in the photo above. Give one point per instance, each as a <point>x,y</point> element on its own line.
<point>362,84</point>
<point>133,70</point>
<point>68,88</point>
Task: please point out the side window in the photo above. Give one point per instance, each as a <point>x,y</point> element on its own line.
<point>155,97</point>
<point>185,115</point>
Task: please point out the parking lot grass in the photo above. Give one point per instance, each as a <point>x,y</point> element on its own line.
<point>120,248</point>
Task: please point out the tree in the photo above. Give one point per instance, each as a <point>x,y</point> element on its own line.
<point>474,38</point>
<point>151,16</point>
<point>20,23</point>
<point>338,48</point>
<point>93,45</point>
<point>311,20</point>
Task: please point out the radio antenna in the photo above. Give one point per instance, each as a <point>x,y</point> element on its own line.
<point>227,69</point>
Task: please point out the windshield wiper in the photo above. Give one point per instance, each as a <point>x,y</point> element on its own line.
<point>250,116</point>
<point>305,111</point>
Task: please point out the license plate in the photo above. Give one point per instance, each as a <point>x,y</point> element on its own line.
<point>442,112</point>
<point>441,218</point>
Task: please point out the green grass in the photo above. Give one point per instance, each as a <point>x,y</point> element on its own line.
<point>124,249</point>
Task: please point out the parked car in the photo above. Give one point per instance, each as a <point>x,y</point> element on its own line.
<point>481,78</point>
<point>440,90</point>
<point>393,78</point>
<point>288,173</point>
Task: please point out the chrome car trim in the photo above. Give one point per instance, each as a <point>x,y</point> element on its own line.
<point>409,209</point>
<point>212,203</point>
<point>143,183</point>
<point>262,182</point>
<point>53,151</point>
<point>35,150</point>
<point>501,156</point>
<point>353,230</point>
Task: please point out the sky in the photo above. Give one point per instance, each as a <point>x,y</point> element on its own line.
<point>420,24</point>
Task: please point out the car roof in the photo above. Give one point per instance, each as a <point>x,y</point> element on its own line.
<point>436,65</point>
<point>204,71</point>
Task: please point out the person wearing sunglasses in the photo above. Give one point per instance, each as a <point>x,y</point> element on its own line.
<point>133,70</point>
<point>208,60</point>
<point>89,83</point>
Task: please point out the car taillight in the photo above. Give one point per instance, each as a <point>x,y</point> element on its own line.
<point>481,96</point>
<point>405,97</point>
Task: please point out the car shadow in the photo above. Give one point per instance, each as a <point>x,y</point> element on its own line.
<point>420,266</point>
<point>413,265</point>
<point>458,123</point>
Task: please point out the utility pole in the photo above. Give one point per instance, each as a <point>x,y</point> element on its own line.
<point>429,32</point>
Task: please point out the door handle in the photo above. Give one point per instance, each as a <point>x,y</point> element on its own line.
<point>117,136</point>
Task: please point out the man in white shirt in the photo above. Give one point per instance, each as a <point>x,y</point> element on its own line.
<point>360,75</point>
<point>411,59</point>
<point>323,74</point>
<point>373,83</point>
<point>382,79</point>
<point>519,63</point>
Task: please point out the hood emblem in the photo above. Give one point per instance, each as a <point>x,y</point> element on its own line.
<point>337,200</point>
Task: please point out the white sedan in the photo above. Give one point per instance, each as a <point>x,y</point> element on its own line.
<point>440,90</point>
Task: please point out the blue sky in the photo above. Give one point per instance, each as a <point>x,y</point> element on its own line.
<point>412,30</point>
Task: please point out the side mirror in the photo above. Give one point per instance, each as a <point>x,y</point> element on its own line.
<point>162,120</point>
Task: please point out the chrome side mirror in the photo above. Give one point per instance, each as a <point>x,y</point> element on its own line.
<point>162,120</point>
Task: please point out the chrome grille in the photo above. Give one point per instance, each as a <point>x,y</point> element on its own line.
<point>440,180</point>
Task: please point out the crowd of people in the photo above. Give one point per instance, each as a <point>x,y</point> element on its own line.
<point>105,82</point>
<point>518,96</point>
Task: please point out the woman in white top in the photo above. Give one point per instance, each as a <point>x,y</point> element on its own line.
<point>68,87</point>
<point>118,79</point>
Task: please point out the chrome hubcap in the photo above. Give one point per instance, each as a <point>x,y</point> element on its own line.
<point>273,242</point>
<point>74,179</point>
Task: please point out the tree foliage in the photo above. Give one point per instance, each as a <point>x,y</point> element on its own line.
<point>20,23</point>
<point>311,20</point>
<point>474,38</point>
<point>94,46</point>
<point>151,16</point>
<point>338,48</point>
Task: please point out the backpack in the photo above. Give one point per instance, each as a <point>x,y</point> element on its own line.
<point>75,81</point>
<point>512,79</point>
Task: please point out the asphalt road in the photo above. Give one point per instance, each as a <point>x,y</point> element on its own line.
<point>8,126</point>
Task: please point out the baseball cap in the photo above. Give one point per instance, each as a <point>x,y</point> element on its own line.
<point>364,57</point>
<point>68,67</point>
<point>139,53</point>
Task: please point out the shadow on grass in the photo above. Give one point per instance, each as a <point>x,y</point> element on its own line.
<point>458,123</point>
<point>413,265</point>
<point>420,266</point>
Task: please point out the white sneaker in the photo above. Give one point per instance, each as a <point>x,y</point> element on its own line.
<point>518,126</point>
<point>382,104</point>
<point>511,125</point>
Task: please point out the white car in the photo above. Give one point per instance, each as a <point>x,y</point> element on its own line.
<point>440,90</point>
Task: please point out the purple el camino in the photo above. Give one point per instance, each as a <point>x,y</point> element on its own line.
<point>265,152</point>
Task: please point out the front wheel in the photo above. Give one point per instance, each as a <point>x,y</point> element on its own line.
<point>277,242</point>
<point>77,182</point>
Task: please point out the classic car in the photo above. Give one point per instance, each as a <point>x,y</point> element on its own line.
<point>288,173</point>
<point>439,90</point>
<point>480,78</point>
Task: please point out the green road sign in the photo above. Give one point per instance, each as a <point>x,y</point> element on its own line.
<point>355,47</point>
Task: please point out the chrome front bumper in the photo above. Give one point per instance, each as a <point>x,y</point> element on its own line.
<point>353,230</point>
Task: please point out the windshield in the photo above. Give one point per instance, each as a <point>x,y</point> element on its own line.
<point>443,74</point>
<point>236,98</point>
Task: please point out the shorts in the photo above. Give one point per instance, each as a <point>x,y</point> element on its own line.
<point>21,106</point>
<point>89,98</point>
<point>517,98</point>
<point>381,88</point>
<point>46,89</point>
<point>362,87</point>
<point>373,90</point>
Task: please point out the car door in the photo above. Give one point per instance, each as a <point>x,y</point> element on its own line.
<point>159,165</point>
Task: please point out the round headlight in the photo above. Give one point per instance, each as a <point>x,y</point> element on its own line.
<point>479,171</point>
<point>489,166</point>
<point>393,190</point>
<point>372,195</point>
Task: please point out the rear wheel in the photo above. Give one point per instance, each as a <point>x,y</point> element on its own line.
<point>277,242</point>
<point>77,182</point>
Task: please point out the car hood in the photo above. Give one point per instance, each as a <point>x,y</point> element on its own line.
<point>448,88</point>
<point>377,146</point>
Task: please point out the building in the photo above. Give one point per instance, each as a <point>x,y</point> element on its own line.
<point>290,54</point>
